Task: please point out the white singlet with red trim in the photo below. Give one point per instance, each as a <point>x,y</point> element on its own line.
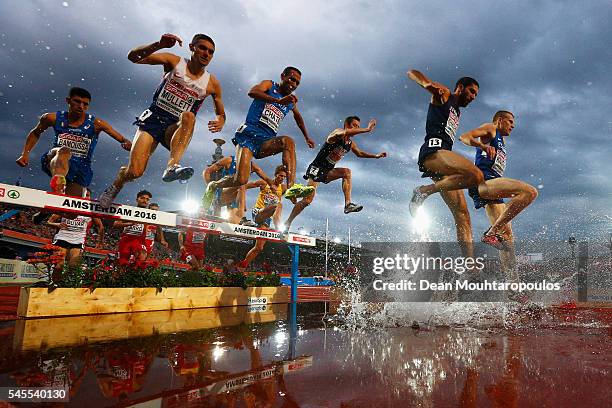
<point>76,231</point>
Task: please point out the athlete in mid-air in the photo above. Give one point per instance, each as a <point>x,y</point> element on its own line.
<point>490,142</point>
<point>323,167</point>
<point>268,208</point>
<point>70,238</point>
<point>450,171</point>
<point>233,198</point>
<point>68,163</point>
<point>170,119</point>
<point>257,137</point>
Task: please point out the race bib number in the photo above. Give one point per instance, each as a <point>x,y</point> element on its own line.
<point>78,145</point>
<point>272,116</point>
<point>435,142</point>
<point>313,171</point>
<point>134,229</point>
<point>499,166</point>
<point>175,98</point>
<point>198,237</point>
<point>452,123</point>
<point>144,115</point>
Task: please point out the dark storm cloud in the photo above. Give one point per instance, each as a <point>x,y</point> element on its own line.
<point>548,62</point>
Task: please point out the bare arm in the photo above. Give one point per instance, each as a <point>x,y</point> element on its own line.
<point>257,170</point>
<point>53,221</point>
<point>480,137</point>
<point>159,236</point>
<point>299,121</point>
<point>364,155</point>
<point>338,133</point>
<point>216,92</point>
<point>259,92</point>
<point>259,183</point>
<point>145,53</point>
<point>100,228</point>
<point>46,120</point>
<point>439,92</point>
<point>103,126</point>
<point>276,217</point>
<point>181,240</point>
<point>122,224</point>
<point>215,167</point>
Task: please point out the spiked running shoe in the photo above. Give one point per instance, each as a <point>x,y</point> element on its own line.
<point>494,240</point>
<point>298,191</point>
<point>209,195</point>
<point>352,207</point>
<point>107,197</point>
<point>177,172</point>
<point>416,201</point>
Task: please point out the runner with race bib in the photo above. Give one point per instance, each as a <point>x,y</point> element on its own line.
<point>171,117</point>
<point>257,137</point>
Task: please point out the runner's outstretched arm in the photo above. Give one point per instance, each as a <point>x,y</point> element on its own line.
<point>103,126</point>
<point>351,132</point>
<point>299,121</point>
<point>364,155</point>
<point>439,92</point>
<point>145,53</point>
<point>46,120</point>
<point>485,133</point>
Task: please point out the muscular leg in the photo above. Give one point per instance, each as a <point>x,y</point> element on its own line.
<point>458,172</point>
<point>142,148</point>
<point>256,250</point>
<point>301,205</point>
<point>179,136</point>
<point>243,170</point>
<point>507,255</point>
<point>59,164</point>
<point>59,161</point>
<point>59,266</point>
<point>521,195</point>
<point>455,200</point>
<point>74,257</point>
<point>265,214</point>
<point>345,175</point>
<point>283,144</point>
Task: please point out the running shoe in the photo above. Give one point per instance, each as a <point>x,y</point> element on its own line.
<point>494,240</point>
<point>416,201</point>
<point>352,207</point>
<point>177,172</point>
<point>298,191</point>
<point>247,223</point>
<point>107,197</point>
<point>209,195</point>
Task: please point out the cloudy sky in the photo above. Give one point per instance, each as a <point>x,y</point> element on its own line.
<point>548,61</point>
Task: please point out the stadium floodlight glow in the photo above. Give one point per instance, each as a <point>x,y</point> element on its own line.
<point>303,231</point>
<point>281,227</point>
<point>224,213</point>
<point>421,221</point>
<point>337,240</point>
<point>190,206</point>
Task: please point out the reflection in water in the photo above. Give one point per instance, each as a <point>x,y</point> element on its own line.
<point>543,363</point>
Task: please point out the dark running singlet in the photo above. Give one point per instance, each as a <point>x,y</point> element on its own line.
<point>492,168</point>
<point>326,159</point>
<point>441,128</point>
<point>332,153</point>
<point>442,123</point>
